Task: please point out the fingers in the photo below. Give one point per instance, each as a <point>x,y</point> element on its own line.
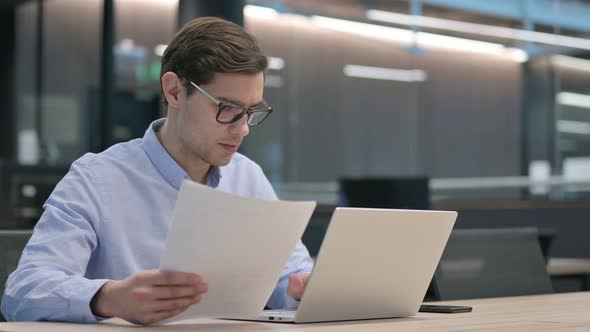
<point>169,278</point>
<point>155,311</point>
<point>299,279</point>
<point>152,293</point>
<point>156,295</point>
<point>297,284</point>
<point>295,281</point>
<point>173,304</point>
<point>172,292</point>
<point>295,287</point>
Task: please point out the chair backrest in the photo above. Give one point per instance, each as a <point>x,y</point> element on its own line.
<point>480,263</point>
<point>12,243</point>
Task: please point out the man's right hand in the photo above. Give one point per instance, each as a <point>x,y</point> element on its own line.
<point>149,296</point>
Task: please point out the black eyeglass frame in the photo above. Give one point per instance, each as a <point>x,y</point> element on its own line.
<point>248,112</point>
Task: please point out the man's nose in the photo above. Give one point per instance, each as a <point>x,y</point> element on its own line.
<point>240,127</point>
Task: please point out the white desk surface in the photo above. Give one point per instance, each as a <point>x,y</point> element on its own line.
<point>553,312</point>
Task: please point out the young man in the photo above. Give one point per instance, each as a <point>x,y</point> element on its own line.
<point>95,251</point>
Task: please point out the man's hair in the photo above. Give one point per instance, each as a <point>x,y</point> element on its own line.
<point>209,45</point>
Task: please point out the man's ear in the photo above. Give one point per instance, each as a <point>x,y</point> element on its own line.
<point>172,87</point>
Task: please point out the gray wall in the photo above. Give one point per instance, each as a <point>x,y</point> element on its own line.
<point>463,121</point>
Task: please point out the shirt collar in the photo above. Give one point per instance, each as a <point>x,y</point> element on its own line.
<point>214,176</point>
<point>166,165</point>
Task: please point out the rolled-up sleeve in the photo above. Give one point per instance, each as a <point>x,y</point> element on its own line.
<point>49,282</point>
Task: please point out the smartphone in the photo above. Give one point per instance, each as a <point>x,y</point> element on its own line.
<point>444,309</point>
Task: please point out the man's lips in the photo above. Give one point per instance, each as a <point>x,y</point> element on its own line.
<point>230,147</point>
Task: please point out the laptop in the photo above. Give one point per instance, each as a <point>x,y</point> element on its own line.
<point>373,263</point>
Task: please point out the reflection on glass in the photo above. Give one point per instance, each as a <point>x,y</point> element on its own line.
<point>53,118</point>
<point>141,37</point>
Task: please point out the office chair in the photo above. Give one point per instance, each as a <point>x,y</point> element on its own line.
<point>12,243</point>
<point>481,263</point>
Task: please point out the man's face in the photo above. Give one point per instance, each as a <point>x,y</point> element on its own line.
<point>199,131</point>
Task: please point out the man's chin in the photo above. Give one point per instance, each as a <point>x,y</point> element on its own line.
<point>219,162</point>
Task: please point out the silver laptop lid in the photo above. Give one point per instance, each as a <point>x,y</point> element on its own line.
<point>375,263</point>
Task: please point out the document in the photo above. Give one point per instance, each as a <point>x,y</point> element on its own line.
<point>238,245</point>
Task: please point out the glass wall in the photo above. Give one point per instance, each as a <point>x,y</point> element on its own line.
<point>54,73</point>
<point>57,75</point>
<point>486,101</point>
<point>58,87</point>
<point>143,28</point>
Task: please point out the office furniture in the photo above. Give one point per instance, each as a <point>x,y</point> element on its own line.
<point>561,266</point>
<point>5,208</point>
<point>24,191</point>
<point>12,243</point>
<point>391,193</point>
<point>549,312</point>
<point>568,219</point>
<point>570,268</point>
<point>479,263</point>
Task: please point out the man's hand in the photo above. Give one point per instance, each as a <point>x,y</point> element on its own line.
<point>297,283</point>
<point>149,296</point>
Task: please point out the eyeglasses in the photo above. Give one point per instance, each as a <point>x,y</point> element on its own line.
<point>230,113</point>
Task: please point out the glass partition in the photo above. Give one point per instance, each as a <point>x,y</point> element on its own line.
<point>488,101</point>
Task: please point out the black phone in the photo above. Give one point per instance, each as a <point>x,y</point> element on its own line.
<point>444,309</point>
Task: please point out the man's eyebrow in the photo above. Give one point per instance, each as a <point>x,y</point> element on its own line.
<point>237,103</point>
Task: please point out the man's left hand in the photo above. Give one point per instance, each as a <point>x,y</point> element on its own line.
<point>297,283</point>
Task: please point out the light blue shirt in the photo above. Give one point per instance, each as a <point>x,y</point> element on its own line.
<point>107,219</point>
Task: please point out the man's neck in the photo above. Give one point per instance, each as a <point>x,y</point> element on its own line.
<point>195,167</point>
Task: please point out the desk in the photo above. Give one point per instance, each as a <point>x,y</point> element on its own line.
<point>552,312</point>
<point>578,268</point>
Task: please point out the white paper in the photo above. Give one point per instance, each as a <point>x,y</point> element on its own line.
<point>239,245</point>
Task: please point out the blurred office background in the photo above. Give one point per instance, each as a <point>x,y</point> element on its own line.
<point>478,106</point>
